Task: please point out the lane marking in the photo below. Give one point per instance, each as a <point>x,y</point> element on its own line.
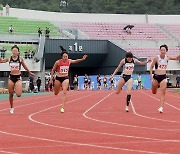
<point>164,102</point>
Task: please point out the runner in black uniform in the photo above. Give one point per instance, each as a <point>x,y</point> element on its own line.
<point>15,62</point>
<point>126,77</point>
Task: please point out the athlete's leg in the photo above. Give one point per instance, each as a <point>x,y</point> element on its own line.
<point>129,86</point>
<point>163,86</point>
<point>121,83</point>
<point>65,85</point>
<point>57,86</point>
<point>129,89</point>
<point>18,88</point>
<point>11,86</point>
<point>154,86</point>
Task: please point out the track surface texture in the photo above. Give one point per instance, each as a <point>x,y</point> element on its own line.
<point>94,122</point>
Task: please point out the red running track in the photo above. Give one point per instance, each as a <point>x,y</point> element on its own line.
<point>94,122</point>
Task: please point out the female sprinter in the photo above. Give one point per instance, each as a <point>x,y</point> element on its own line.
<point>62,79</point>
<point>159,78</point>
<point>126,77</point>
<point>14,82</point>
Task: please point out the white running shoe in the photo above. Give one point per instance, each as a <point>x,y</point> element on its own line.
<point>160,109</point>
<point>12,110</point>
<point>127,109</point>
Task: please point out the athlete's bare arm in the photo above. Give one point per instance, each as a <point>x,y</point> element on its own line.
<point>25,67</point>
<point>122,62</point>
<point>53,70</point>
<point>142,63</point>
<point>78,60</point>
<point>4,60</point>
<point>152,66</point>
<point>174,58</point>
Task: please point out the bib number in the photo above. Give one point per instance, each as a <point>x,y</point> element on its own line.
<point>64,69</point>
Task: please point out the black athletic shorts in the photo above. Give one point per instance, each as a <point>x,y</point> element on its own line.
<point>126,77</point>
<point>61,79</point>
<point>159,78</point>
<point>14,78</point>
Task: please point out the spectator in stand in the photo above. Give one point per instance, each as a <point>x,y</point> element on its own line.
<point>31,84</point>
<point>177,81</point>
<point>46,84</point>
<point>75,82</point>
<point>89,82</point>
<point>40,32</point>
<point>99,81</point>
<point>128,28</point>
<point>29,54</point>
<point>47,32</point>
<point>111,83</point>
<point>105,82</point>
<point>86,82</point>
<point>38,83</point>
<point>26,54</point>
<point>139,81</point>
<point>11,29</point>
<point>32,53</point>
<point>7,9</point>
<point>3,50</point>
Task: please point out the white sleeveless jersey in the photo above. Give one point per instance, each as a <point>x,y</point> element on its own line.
<point>129,66</point>
<point>162,63</point>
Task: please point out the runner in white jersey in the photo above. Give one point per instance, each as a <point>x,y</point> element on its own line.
<point>128,69</point>
<point>14,82</point>
<point>159,79</point>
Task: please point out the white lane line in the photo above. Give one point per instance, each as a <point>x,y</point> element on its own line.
<point>57,97</point>
<point>172,95</point>
<point>21,99</point>
<point>113,123</point>
<point>134,111</point>
<point>164,102</point>
<point>8,152</point>
<point>104,143</point>
<point>79,144</point>
<point>72,143</point>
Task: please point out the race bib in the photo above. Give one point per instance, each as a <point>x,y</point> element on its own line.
<point>14,66</point>
<point>129,67</point>
<point>162,66</point>
<point>64,69</point>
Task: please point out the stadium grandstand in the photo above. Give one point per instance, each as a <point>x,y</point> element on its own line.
<point>77,30</point>
<point>93,121</point>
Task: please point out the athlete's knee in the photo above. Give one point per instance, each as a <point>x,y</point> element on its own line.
<point>18,95</point>
<point>11,94</point>
<point>163,91</point>
<point>129,92</point>
<point>154,91</point>
<point>56,93</point>
<point>117,92</point>
<point>64,92</point>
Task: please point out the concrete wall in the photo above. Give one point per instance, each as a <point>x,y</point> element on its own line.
<point>31,64</point>
<point>85,17</point>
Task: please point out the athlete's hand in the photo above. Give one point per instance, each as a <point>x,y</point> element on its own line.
<point>110,77</point>
<point>152,80</point>
<point>50,82</point>
<point>149,60</point>
<point>84,57</point>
